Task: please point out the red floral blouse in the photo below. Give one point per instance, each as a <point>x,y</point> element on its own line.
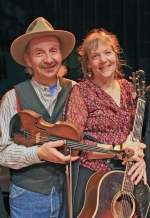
<point>97,114</point>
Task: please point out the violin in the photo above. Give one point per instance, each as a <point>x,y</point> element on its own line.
<point>28,128</point>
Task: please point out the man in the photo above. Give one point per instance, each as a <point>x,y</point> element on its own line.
<point>37,172</point>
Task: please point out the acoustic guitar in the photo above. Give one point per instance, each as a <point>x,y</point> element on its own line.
<point>112,194</point>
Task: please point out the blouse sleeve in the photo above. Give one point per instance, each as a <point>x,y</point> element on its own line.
<point>76,109</point>
<point>77,113</point>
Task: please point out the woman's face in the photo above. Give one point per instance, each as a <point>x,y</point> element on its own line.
<point>102,61</point>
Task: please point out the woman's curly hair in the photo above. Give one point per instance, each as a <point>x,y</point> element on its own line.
<point>91,41</point>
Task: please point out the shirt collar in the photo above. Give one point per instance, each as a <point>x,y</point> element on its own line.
<point>45,88</point>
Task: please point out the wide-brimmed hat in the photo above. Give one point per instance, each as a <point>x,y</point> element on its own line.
<point>41,27</point>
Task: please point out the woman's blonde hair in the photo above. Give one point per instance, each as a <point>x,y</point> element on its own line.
<point>91,41</point>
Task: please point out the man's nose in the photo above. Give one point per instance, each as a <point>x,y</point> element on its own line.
<point>48,58</point>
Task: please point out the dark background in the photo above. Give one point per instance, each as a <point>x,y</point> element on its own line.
<point>128,19</point>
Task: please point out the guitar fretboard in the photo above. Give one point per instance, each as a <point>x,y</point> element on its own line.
<point>138,121</point>
<point>136,136</point>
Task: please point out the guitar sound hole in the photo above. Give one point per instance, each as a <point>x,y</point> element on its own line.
<point>123,205</point>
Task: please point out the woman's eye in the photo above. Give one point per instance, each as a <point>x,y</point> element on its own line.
<point>95,56</point>
<point>108,52</point>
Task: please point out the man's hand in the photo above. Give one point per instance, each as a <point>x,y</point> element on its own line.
<point>49,152</point>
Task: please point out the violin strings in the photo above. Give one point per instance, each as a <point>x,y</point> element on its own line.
<point>73,144</point>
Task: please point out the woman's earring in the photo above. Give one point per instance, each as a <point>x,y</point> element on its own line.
<point>89,73</point>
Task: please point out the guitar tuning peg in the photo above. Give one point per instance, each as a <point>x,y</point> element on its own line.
<point>142,71</point>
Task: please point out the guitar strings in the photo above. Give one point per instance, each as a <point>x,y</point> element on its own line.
<point>127,206</point>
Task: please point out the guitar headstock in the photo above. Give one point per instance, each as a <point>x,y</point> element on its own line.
<point>138,79</point>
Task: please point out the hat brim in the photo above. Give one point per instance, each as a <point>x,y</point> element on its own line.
<point>67,41</point>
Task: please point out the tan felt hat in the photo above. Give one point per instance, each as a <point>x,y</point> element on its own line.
<point>41,27</point>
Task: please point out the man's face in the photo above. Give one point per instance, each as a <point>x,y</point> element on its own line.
<point>44,58</point>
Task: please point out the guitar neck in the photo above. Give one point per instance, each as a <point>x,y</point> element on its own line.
<point>138,120</point>
<point>136,136</point>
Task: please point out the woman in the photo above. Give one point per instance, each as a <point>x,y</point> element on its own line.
<point>100,105</point>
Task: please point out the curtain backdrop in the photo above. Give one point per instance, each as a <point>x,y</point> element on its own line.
<point>128,19</point>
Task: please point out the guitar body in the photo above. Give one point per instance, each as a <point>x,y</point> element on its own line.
<point>102,195</point>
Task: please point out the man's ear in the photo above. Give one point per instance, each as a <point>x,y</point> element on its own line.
<point>27,59</point>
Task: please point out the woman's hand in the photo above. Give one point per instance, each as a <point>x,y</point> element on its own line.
<point>138,171</point>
